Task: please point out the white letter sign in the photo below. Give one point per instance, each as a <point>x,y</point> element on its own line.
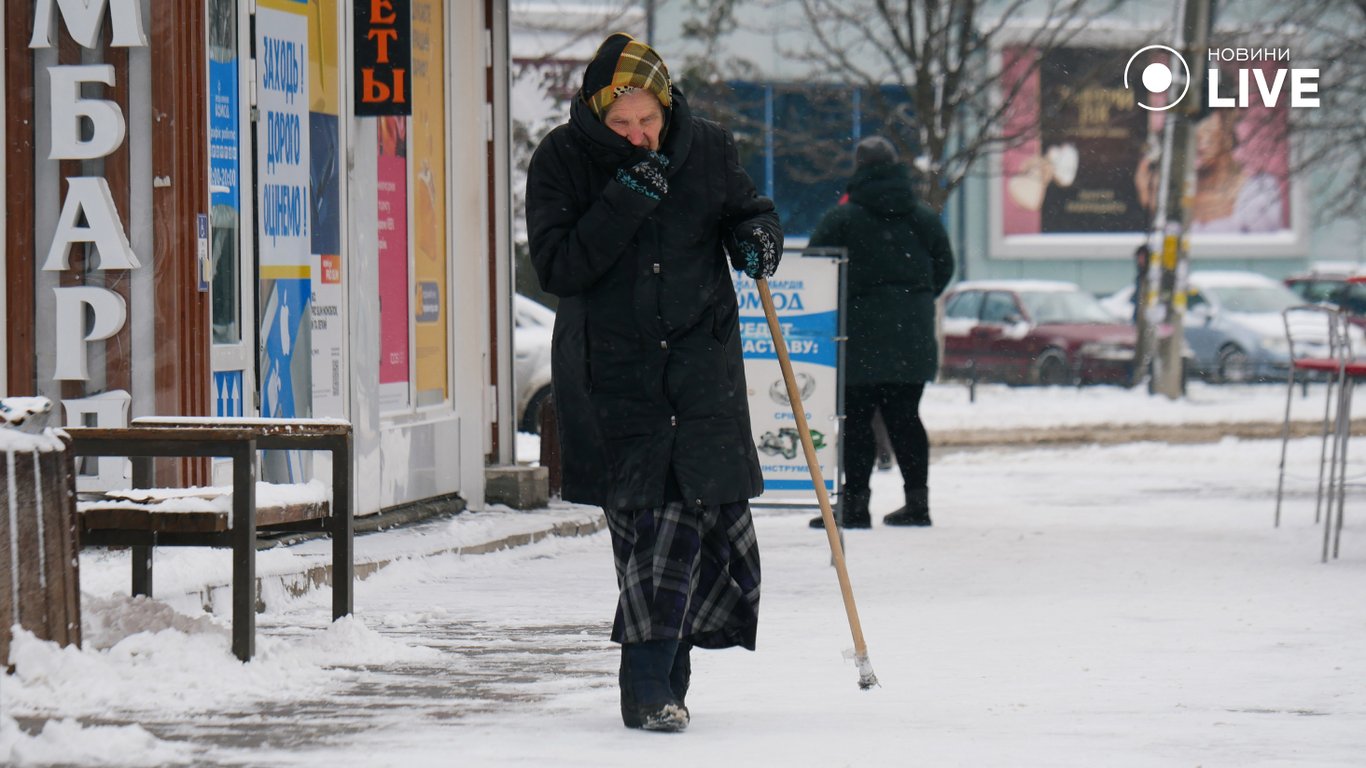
<point>89,196</point>
<point>110,312</point>
<point>83,19</point>
<point>68,108</point>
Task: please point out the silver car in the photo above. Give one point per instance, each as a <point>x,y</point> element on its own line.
<point>533,324</point>
<point>1233,325</point>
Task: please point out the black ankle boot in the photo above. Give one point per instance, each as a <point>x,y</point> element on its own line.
<point>681,674</point>
<point>629,716</point>
<point>644,677</point>
<point>854,511</point>
<point>915,513</point>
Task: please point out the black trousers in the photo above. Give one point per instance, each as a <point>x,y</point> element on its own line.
<point>900,406</point>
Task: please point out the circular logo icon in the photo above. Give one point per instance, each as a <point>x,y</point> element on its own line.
<point>1157,77</point>
<point>806,385</point>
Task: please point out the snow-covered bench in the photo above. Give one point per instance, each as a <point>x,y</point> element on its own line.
<point>197,509</point>
<point>228,517</point>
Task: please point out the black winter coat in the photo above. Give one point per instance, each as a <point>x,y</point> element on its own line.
<point>649,383</point>
<point>900,261</point>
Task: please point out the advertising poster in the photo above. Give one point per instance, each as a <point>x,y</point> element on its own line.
<point>1242,173</point>
<point>284,231</point>
<point>1090,165</point>
<point>806,298</point>
<point>392,182</point>
<point>1079,175</point>
<point>283,155</point>
<point>326,318</point>
<point>428,155</point>
<point>328,325</point>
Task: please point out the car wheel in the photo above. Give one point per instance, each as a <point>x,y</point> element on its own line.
<point>531,418</point>
<point>1233,365</point>
<point>1051,369</point>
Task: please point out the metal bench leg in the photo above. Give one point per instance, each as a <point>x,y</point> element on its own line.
<point>343,545</point>
<point>142,553</point>
<point>244,551</point>
<point>142,568</point>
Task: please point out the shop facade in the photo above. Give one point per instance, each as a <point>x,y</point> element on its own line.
<point>265,208</point>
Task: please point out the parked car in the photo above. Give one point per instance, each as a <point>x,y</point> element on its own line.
<point>532,323</point>
<point>1233,325</point>
<point>1334,284</point>
<point>1033,332</point>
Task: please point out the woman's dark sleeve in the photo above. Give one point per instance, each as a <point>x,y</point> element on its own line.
<point>574,242</point>
<point>745,210</point>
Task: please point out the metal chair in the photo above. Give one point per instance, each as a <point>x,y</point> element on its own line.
<point>1352,370</point>
<point>1317,342</point>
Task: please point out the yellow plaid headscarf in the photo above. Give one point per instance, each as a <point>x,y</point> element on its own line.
<point>623,64</point>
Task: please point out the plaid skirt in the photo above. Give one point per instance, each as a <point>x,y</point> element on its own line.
<point>687,573</point>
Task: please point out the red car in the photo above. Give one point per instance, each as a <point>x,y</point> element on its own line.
<point>1041,332</point>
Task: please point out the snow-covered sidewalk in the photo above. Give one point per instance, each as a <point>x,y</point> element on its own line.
<point>1121,606</point>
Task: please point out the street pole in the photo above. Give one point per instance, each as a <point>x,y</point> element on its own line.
<point>1177,189</point>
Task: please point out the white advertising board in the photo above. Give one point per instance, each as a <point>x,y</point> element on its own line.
<point>806,294</point>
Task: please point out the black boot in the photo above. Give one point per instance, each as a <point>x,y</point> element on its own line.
<point>629,716</point>
<point>916,512</point>
<point>681,674</point>
<point>679,678</point>
<point>645,672</point>
<point>854,511</point>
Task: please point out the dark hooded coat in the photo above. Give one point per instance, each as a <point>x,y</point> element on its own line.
<point>900,261</point>
<point>649,383</point>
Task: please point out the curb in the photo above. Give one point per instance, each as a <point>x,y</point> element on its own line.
<point>1111,434</point>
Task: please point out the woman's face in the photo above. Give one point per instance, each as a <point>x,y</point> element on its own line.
<point>637,117</point>
<point>1213,139</point>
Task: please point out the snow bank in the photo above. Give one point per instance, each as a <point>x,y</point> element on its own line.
<point>141,655</point>
<point>68,742</point>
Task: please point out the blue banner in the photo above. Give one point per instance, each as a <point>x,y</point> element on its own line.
<point>810,338</point>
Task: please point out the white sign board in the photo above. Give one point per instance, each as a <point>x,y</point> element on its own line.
<point>282,148</point>
<point>806,294</point>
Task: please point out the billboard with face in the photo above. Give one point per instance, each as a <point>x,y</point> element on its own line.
<point>1087,163</point>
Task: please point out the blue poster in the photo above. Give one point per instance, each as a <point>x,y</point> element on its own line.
<point>223,138</point>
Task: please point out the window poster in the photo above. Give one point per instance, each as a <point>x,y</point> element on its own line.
<point>392,200</point>
<point>428,147</point>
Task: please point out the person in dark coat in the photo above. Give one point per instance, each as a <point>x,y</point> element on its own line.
<point>633,208</point>
<point>900,261</point>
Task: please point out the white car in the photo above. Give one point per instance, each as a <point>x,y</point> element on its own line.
<point>1233,325</point>
<point>533,324</point>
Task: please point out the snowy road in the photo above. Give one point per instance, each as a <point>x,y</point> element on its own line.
<point>1117,606</point>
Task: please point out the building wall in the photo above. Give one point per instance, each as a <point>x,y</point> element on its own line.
<point>257,250</point>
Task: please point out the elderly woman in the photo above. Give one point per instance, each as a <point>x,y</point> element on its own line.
<point>632,209</point>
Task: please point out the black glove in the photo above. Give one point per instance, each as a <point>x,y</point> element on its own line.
<point>756,252</point>
<point>646,176</point>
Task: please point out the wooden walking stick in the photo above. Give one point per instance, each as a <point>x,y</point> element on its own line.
<point>866,678</point>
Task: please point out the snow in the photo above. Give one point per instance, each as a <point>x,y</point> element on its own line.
<point>947,406</point>
<point>209,498</point>
<point>1121,605</point>
<point>236,421</point>
<point>14,441</point>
